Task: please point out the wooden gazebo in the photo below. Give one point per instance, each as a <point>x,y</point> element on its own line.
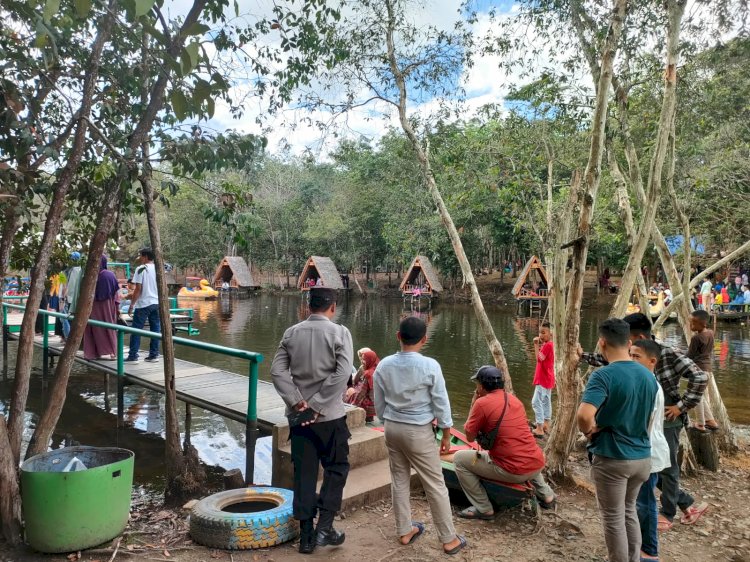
<point>421,279</point>
<point>319,271</point>
<point>532,285</point>
<point>234,271</point>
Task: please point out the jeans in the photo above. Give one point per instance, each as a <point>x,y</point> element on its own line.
<point>672,496</point>
<point>617,485</point>
<point>140,315</point>
<point>541,402</point>
<point>648,514</point>
<point>327,444</point>
<point>65,322</point>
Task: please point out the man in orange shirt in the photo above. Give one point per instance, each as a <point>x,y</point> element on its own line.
<point>513,457</point>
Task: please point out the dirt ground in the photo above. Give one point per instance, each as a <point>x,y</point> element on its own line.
<point>573,532</point>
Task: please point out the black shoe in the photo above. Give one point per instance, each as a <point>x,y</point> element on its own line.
<point>306,543</point>
<point>307,537</point>
<point>330,537</point>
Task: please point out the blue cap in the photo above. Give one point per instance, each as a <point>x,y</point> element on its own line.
<point>75,256</point>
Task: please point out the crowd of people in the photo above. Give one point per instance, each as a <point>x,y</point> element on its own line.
<point>632,412</point>
<point>62,294</point>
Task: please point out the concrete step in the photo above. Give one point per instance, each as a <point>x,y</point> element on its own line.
<point>366,447</point>
<point>367,485</point>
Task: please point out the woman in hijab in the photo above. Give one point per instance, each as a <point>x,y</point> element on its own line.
<point>363,387</point>
<point>101,343</point>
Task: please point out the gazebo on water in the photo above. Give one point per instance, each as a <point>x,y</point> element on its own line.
<point>421,279</point>
<point>532,285</point>
<point>319,271</point>
<point>234,271</point>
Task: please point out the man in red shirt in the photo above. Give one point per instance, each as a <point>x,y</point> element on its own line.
<point>513,457</point>
<point>544,380</point>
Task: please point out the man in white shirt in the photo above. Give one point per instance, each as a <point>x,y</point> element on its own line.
<point>706,295</point>
<point>144,306</point>
<point>647,353</point>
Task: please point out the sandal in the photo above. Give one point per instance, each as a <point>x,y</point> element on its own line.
<point>456,549</point>
<point>663,524</point>
<point>693,513</point>
<point>420,530</point>
<point>713,427</point>
<point>547,505</point>
<point>473,513</point>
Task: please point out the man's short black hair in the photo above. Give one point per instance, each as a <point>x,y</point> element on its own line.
<point>701,315</point>
<point>412,329</point>
<point>615,332</point>
<point>147,252</point>
<point>321,299</point>
<point>640,324</point>
<point>649,347</point>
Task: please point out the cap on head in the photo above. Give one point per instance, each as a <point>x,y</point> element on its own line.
<point>75,256</point>
<point>487,373</point>
<point>321,298</point>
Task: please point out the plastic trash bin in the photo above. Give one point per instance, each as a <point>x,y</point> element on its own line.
<point>68,511</point>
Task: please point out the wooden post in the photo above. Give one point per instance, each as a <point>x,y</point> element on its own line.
<point>705,448</point>
<point>233,479</point>
<point>188,422</point>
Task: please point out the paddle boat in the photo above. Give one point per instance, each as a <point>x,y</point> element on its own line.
<point>203,291</point>
<point>654,310</point>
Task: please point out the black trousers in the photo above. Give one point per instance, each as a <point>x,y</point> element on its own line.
<point>672,496</point>
<point>327,444</point>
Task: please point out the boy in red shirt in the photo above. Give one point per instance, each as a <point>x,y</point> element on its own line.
<point>544,380</point>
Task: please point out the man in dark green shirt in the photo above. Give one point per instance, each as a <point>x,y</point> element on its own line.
<point>615,414</point>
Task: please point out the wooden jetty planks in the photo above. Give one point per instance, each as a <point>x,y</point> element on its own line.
<point>215,390</point>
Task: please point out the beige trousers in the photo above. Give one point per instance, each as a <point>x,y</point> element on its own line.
<point>414,446</point>
<point>470,467</point>
<point>703,409</point>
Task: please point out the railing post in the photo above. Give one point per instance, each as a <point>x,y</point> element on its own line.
<point>251,424</point>
<point>120,377</point>
<point>45,345</point>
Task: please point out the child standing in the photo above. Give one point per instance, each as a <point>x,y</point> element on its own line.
<point>409,394</point>
<point>544,380</point>
<point>701,351</point>
<point>647,353</point>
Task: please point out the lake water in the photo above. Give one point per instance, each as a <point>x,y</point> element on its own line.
<point>257,324</point>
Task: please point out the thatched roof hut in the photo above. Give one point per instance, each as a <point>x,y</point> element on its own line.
<point>234,270</point>
<point>319,271</point>
<point>422,278</point>
<point>532,282</point>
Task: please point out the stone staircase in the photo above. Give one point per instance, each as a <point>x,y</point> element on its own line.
<point>369,476</point>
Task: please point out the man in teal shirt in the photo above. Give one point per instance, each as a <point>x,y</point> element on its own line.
<point>615,414</point>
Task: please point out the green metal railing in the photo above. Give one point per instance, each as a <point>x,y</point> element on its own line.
<point>251,423</point>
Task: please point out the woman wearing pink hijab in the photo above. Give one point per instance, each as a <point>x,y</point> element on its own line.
<point>363,387</point>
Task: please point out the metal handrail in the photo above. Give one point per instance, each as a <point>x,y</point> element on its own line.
<point>251,426</point>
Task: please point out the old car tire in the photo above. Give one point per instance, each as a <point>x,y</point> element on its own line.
<point>211,525</point>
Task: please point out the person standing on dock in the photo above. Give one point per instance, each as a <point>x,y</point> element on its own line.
<point>144,306</point>
<point>310,371</point>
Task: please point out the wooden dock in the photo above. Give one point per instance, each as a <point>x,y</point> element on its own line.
<point>215,390</point>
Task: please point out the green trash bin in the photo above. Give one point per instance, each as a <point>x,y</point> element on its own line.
<point>69,511</point>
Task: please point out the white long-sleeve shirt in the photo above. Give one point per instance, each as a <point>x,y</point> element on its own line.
<point>410,388</point>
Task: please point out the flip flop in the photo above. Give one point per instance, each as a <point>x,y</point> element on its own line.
<point>663,524</point>
<point>473,513</point>
<point>693,513</point>
<point>713,427</point>
<point>420,526</point>
<point>456,549</point>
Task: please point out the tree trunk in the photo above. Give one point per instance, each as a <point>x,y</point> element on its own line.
<point>675,9</point>
<point>564,428</point>
<point>184,474</point>
<point>106,219</point>
<point>10,497</point>
<point>10,227</point>
<point>51,229</point>
<point>725,437</point>
<point>489,334</point>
